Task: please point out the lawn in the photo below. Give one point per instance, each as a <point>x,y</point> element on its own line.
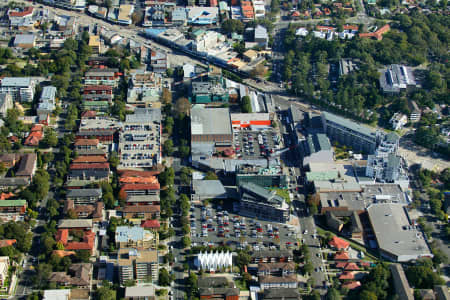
<point>283,193</point>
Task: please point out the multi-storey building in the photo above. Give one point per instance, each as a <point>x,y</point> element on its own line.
<point>135,237</point>
<point>137,265</point>
<point>99,76</point>
<point>21,89</point>
<point>361,138</point>
<point>258,202</point>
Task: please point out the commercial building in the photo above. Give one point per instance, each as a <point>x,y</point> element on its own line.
<point>21,89</point>
<point>360,137</point>
<point>211,125</point>
<point>397,78</point>
<point>207,189</point>
<point>140,293</point>
<point>137,265</point>
<point>265,177</point>
<point>21,18</point>
<point>25,41</point>
<point>212,90</point>
<point>135,237</point>
<point>140,139</point>
<point>255,121</point>
<point>214,261</point>
<point>405,241</point>
<point>257,202</point>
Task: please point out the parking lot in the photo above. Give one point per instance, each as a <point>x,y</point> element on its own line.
<point>214,227</point>
<point>254,144</point>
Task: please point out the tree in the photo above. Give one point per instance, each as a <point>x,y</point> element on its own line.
<point>246,106</point>
<point>42,274</point>
<point>166,96</point>
<point>211,176</point>
<point>185,176</point>
<point>333,294</point>
<point>422,276</point>
<point>114,159</point>
<point>137,17</point>
<point>368,295</point>
<point>168,148</point>
<point>229,26</point>
<point>106,293</point>
<point>186,242</point>
<point>164,277</point>
<point>183,106</point>
<point>184,151</point>
<point>50,138</point>
<point>243,258</point>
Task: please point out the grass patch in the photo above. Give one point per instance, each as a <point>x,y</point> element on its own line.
<point>241,284</point>
<point>283,193</point>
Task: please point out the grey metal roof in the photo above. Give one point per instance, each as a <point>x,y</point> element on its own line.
<point>24,39</point>
<point>210,120</point>
<point>362,129</point>
<point>145,115</point>
<point>391,137</point>
<point>403,241</point>
<point>75,223</point>
<point>84,193</point>
<point>48,93</point>
<point>261,32</point>
<point>209,188</point>
<point>17,81</point>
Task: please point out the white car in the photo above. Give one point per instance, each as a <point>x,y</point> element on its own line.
<point>305,231</point>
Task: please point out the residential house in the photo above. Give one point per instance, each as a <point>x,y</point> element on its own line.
<point>79,275</point>
<point>35,136</point>
<point>13,207</point>
<point>25,41</point>
<point>338,243</point>
<point>84,196</point>
<point>270,282</point>
<point>27,166</point>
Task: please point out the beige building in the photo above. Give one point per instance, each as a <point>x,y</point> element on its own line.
<point>138,265</point>
<point>4,266</point>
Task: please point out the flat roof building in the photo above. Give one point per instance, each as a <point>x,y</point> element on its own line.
<point>137,265</point>
<point>404,241</point>
<point>360,137</point>
<point>256,201</point>
<point>396,78</point>
<point>20,88</point>
<point>211,125</point>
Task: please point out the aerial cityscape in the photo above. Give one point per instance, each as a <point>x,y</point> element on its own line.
<point>224,150</point>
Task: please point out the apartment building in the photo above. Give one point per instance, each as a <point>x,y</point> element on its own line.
<point>158,61</point>
<point>4,267</point>
<point>84,196</point>
<point>135,237</point>
<point>21,89</point>
<point>47,102</point>
<point>100,76</point>
<point>6,103</point>
<point>360,137</point>
<point>137,265</point>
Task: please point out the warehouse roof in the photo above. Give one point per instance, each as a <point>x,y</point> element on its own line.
<point>210,120</point>
<point>403,241</point>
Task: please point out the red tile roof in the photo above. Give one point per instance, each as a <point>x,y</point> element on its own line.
<point>338,243</point>
<point>341,265</point>
<point>63,253</point>
<point>150,224</point>
<point>89,159</point>
<point>350,27</point>
<point>351,285</point>
<point>89,114</point>
<point>341,255</point>
<point>62,235</point>
<point>132,173</point>
<point>351,267</point>
<point>347,276</point>
<point>140,186</point>
<point>141,208</point>
<point>86,142</point>
<point>141,180</point>
<point>89,166</point>
<point>6,243</point>
<point>377,34</point>
<point>26,11</point>
<point>364,264</point>
<point>87,244</point>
